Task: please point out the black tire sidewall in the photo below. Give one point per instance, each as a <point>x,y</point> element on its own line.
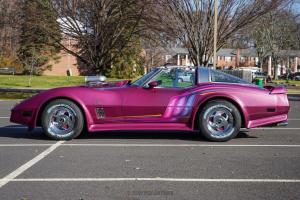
<point>203,125</point>
<point>79,121</point>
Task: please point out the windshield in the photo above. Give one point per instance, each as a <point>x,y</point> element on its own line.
<point>144,78</point>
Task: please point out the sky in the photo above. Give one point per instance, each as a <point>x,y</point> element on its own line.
<point>296,7</point>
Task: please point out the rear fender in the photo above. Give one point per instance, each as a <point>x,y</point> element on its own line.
<point>276,89</point>
<point>203,98</point>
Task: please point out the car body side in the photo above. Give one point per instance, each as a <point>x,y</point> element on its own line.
<point>257,106</point>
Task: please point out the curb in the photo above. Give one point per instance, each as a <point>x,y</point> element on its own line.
<point>294,97</point>
<point>22,90</point>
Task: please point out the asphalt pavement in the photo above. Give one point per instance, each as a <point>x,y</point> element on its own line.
<point>261,163</point>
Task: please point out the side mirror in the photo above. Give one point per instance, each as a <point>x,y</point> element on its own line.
<point>154,84</point>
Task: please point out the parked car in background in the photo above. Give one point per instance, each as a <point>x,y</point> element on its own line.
<point>291,76</point>
<point>261,75</point>
<point>8,70</point>
<point>296,76</point>
<point>186,76</point>
<point>286,76</point>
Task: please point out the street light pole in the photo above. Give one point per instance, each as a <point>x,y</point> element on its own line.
<point>215,33</point>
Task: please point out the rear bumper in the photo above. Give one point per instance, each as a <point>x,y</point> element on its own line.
<point>268,121</point>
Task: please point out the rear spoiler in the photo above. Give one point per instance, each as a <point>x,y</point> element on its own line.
<point>276,89</point>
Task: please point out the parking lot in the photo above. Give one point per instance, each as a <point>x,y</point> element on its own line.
<point>263,163</point>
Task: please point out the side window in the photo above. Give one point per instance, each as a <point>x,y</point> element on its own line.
<point>165,78</point>
<point>175,78</point>
<point>217,76</point>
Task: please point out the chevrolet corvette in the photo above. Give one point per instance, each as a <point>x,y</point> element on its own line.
<point>215,104</point>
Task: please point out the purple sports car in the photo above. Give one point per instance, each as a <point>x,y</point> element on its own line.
<point>214,103</point>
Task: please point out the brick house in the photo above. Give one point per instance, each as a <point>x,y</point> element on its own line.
<point>66,64</point>
<point>227,58</point>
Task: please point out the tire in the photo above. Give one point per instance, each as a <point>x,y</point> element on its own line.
<point>219,121</point>
<point>62,120</point>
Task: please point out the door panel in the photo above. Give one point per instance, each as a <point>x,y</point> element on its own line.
<point>141,103</point>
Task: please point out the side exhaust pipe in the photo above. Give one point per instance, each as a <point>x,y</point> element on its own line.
<point>284,123</point>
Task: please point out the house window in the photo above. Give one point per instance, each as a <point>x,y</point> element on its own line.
<point>228,59</point>
<point>168,58</point>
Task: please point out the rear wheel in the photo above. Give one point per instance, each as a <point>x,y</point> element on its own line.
<point>219,121</point>
<point>62,120</point>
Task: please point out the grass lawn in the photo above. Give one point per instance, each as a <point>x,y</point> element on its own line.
<point>293,91</point>
<point>21,81</point>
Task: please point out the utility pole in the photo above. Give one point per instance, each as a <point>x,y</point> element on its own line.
<point>215,33</point>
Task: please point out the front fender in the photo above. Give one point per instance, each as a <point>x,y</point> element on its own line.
<point>79,95</point>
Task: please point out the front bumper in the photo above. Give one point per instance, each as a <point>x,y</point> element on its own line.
<point>24,117</point>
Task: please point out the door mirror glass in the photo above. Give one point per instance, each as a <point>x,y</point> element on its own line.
<point>154,84</point>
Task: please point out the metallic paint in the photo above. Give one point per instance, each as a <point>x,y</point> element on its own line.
<point>129,107</point>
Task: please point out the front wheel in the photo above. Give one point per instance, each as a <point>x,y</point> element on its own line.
<point>62,120</point>
<point>219,121</point>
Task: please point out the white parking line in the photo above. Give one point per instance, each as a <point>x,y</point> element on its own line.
<point>29,164</point>
<point>269,128</point>
<point>156,179</point>
<point>25,145</point>
<point>4,117</point>
<point>156,145</point>
<point>262,128</point>
<point>179,145</point>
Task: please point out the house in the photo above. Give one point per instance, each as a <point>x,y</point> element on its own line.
<point>227,59</point>
<point>230,58</point>
<point>66,65</point>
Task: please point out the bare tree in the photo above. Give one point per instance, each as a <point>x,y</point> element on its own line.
<point>274,32</point>
<point>192,21</point>
<point>10,17</point>
<point>99,29</point>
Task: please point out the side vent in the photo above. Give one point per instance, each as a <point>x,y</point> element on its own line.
<point>100,113</point>
<point>271,109</point>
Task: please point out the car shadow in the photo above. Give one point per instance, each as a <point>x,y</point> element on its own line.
<point>294,97</point>
<point>20,132</point>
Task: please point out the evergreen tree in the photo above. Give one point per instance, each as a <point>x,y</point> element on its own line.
<point>128,64</point>
<point>39,27</point>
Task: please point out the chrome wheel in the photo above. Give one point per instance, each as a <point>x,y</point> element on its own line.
<point>62,119</point>
<point>220,121</point>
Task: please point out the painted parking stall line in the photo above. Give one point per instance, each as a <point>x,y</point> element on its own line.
<point>180,145</point>
<point>152,145</point>
<point>157,179</point>
<point>262,128</point>
<point>26,145</point>
<point>269,128</point>
<point>28,164</point>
